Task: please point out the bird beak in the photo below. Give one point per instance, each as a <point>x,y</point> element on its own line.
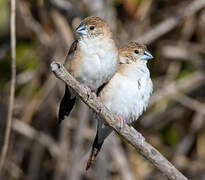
<point>147,55</point>
<point>81,29</point>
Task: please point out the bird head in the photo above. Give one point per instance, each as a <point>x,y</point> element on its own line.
<point>93,27</point>
<point>134,53</point>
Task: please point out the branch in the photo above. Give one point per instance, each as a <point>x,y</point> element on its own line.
<point>13,82</point>
<point>128,132</point>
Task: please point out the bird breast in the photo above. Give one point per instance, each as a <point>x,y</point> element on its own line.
<point>128,92</point>
<point>99,61</point>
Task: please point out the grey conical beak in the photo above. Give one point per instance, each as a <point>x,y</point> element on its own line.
<point>147,55</point>
<point>81,29</point>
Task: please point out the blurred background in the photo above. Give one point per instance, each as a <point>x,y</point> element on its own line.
<point>40,149</point>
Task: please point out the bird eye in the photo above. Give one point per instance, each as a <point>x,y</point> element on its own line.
<point>92,27</point>
<point>136,52</point>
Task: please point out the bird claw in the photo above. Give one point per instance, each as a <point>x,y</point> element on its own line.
<point>93,93</point>
<point>122,121</point>
<point>140,136</point>
<point>88,90</point>
<point>100,103</point>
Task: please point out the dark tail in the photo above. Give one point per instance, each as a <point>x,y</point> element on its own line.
<point>94,152</point>
<point>66,105</point>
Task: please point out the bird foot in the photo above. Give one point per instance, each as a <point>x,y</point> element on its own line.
<point>122,122</point>
<point>98,98</point>
<point>88,90</point>
<point>140,136</point>
<point>100,103</point>
<point>94,94</point>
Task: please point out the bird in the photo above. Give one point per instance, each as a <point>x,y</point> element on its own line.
<point>92,60</point>
<point>127,93</point>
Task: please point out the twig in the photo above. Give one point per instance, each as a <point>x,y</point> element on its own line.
<point>38,99</point>
<point>129,133</point>
<point>62,162</point>
<point>101,166</point>
<point>38,151</point>
<point>64,29</point>
<point>160,115</point>
<point>13,81</point>
<point>103,9</point>
<point>120,157</point>
<point>83,116</point>
<point>170,23</point>
<point>183,85</point>
<point>32,24</point>
<point>42,138</point>
<point>63,4</point>
<point>184,146</point>
<point>190,103</point>
<point>181,52</point>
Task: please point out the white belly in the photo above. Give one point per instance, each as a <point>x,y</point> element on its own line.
<point>99,63</point>
<point>127,97</point>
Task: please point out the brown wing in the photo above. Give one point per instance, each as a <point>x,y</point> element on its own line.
<point>66,105</point>
<point>100,88</point>
<point>71,52</point>
<point>67,101</point>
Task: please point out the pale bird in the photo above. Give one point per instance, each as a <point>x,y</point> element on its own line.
<point>127,93</point>
<point>92,59</point>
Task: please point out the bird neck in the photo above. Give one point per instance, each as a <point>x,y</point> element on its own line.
<point>92,38</point>
<point>135,70</point>
<point>97,44</point>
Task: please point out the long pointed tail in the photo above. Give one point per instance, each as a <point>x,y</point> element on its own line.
<point>102,132</point>
<point>94,152</point>
<point>92,157</point>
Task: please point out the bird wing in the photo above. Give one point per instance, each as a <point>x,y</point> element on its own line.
<point>67,101</point>
<point>66,105</point>
<point>100,88</point>
<point>71,52</point>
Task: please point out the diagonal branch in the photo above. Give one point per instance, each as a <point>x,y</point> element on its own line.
<point>128,132</point>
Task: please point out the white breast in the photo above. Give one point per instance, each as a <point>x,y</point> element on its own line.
<point>99,62</point>
<point>128,94</point>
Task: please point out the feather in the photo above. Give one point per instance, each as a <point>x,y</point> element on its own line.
<point>66,105</point>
